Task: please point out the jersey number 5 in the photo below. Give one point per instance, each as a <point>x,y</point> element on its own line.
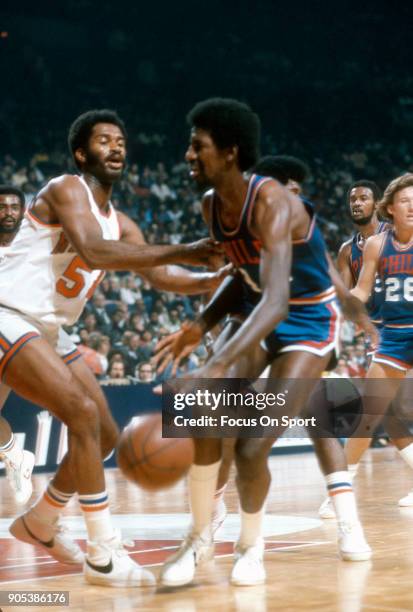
<point>73,281</point>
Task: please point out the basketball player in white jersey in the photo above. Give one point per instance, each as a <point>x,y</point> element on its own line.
<point>17,462</point>
<point>69,235</point>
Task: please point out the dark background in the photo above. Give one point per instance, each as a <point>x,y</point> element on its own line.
<point>322,74</point>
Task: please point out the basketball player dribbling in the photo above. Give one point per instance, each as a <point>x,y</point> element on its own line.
<point>265,230</point>
<point>291,172</point>
<point>69,235</point>
<point>363,197</point>
<point>18,463</point>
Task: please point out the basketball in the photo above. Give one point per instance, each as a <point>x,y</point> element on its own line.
<point>150,461</point>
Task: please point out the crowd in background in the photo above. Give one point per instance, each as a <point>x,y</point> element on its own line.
<point>126,317</point>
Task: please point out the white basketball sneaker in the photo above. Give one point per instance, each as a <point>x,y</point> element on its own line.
<point>248,569</point>
<point>406,501</point>
<point>326,510</point>
<point>179,569</point>
<point>352,544</point>
<point>58,545</point>
<point>107,563</point>
<point>19,476</point>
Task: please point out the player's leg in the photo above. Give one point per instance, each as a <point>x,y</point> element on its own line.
<point>62,487</point>
<point>50,383</point>
<point>202,484</point>
<point>379,396</point>
<point>353,451</point>
<point>17,462</point>
<point>396,424</point>
<point>242,369</point>
<point>251,458</point>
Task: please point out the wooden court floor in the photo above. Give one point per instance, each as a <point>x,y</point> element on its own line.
<point>304,572</point>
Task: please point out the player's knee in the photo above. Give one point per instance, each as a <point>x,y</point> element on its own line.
<point>84,416</point>
<point>109,437</point>
<point>250,454</point>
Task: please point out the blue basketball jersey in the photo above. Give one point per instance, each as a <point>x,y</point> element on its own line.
<point>396,271</point>
<point>310,282</point>
<point>356,263</point>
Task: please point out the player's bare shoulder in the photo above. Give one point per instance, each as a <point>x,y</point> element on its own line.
<point>64,192</point>
<point>272,196</point>
<point>374,245</point>
<point>273,203</point>
<point>65,185</point>
<point>345,250</point>
<point>206,204</point>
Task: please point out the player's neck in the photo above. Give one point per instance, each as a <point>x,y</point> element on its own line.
<point>232,191</point>
<point>370,229</point>
<point>6,239</point>
<point>403,235</point>
<point>101,191</point>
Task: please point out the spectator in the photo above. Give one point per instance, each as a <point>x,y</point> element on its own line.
<point>98,308</point>
<point>113,293</point>
<point>89,353</point>
<point>137,323</point>
<point>132,351</point>
<point>144,372</point>
<point>116,374</point>
<point>103,349</point>
<point>120,322</point>
<point>161,190</point>
<point>146,347</point>
<point>129,290</point>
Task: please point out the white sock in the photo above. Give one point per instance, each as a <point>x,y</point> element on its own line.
<point>97,516</point>
<point>202,484</point>
<point>219,499</point>
<point>251,527</point>
<point>45,512</point>
<point>51,504</point>
<point>352,470</point>
<point>341,493</point>
<point>407,454</point>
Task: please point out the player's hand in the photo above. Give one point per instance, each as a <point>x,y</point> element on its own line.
<point>203,252</point>
<point>175,347</point>
<point>370,330</point>
<point>217,278</point>
<point>355,311</point>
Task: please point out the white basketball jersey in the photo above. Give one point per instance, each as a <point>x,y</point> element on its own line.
<point>41,275</point>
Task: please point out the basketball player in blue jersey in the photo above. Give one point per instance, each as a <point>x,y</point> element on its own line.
<point>270,235</point>
<point>363,197</point>
<point>69,236</point>
<point>292,173</point>
<point>390,255</point>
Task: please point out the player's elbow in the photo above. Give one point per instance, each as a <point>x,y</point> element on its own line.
<point>91,258</point>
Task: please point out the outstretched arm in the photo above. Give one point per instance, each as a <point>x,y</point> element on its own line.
<point>68,200</point>
<point>175,347</point>
<point>353,308</point>
<point>170,277</point>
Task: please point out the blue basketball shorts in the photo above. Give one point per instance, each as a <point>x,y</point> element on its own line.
<point>395,348</point>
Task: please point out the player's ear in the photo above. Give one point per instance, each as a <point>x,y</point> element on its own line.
<point>232,154</point>
<point>80,156</point>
